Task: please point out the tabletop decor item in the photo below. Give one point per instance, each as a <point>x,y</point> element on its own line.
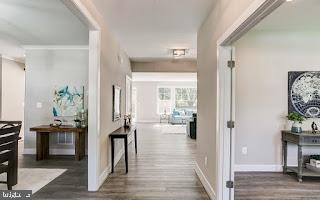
<point>297,119</point>
<point>314,127</point>
<point>81,119</point>
<point>77,123</point>
<point>315,161</point>
<point>56,123</point>
<point>127,121</point>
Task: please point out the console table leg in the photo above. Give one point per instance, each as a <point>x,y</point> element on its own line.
<point>285,154</point>
<point>42,146</point>
<point>112,155</point>
<point>300,163</point>
<point>135,141</point>
<point>77,146</point>
<point>126,152</point>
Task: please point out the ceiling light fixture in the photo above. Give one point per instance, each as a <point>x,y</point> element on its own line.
<point>289,0</point>
<point>179,52</point>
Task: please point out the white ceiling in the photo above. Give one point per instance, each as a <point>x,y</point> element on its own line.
<point>297,15</point>
<point>41,22</point>
<point>150,28</point>
<point>164,77</point>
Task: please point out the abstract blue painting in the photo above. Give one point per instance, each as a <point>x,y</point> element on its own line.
<point>67,101</point>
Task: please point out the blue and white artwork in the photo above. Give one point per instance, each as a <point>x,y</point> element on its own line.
<point>304,93</point>
<point>67,101</point>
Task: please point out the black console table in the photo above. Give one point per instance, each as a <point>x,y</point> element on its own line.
<point>306,138</point>
<point>123,133</point>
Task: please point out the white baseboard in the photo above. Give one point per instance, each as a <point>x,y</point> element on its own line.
<point>205,182</point>
<point>104,175</point>
<point>33,151</point>
<point>258,168</point>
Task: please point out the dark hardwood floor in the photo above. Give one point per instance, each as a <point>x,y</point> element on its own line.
<point>275,186</point>
<point>163,169</point>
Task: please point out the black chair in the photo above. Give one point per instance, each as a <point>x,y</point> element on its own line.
<point>9,136</point>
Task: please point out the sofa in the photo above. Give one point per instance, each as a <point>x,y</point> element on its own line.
<point>181,116</point>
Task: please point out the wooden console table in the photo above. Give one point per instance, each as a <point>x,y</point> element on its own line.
<point>123,133</point>
<point>43,139</point>
<point>306,138</point>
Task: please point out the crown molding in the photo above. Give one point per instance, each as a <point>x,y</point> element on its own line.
<point>56,47</point>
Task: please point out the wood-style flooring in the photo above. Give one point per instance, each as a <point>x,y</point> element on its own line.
<point>275,186</point>
<point>163,169</point>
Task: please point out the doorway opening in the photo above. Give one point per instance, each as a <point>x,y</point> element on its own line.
<point>266,56</point>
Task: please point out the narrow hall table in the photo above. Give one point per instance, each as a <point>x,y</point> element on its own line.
<point>123,133</point>
<point>44,131</point>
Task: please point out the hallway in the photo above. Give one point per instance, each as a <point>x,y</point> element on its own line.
<point>163,168</point>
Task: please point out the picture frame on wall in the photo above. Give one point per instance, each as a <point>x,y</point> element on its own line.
<point>303,93</point>
<point>116,107</point>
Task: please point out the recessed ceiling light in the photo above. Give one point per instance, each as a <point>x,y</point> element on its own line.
<point>289,0</point>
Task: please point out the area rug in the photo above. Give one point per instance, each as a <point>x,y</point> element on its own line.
<point>32,178</point>
<point>174,129</point>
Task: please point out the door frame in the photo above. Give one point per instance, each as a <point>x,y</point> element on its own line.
<point>257,11</point>
<point>81,11</point>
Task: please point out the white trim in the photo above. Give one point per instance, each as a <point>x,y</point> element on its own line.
<point>223,115</point>
<point>94,112</point>
<point>251,16</point>
<point>78,8</point>
<point>256,11</point>
<point>258,168</point>
<point>205,182</point>
<point>33,151</point>
<point>56,47</point>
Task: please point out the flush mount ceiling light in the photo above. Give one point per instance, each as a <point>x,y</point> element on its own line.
<point>179,52</point>
<point>289,0</point>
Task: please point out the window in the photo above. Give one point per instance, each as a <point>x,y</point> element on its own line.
<point>185,97</point>
<point>164,101</point>
<point>164,94</point>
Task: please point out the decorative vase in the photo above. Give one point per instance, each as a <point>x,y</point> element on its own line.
<point>296,127</point>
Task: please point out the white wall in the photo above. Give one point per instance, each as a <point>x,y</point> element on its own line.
<point>147,96</point>
<point>12,91</point>
<point>223,15</point>
<point>112,71</point>
<point>46,69</point>
<point>263,61</point>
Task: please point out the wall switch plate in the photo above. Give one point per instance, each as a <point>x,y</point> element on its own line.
<point>244,150</point>
<point>39,105</point>
<point>205,161</point>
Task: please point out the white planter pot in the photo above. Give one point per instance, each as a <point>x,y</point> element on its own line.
<point>296,127</point>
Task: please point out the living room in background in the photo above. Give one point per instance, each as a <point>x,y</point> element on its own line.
<point>167,95</point>
<point>176,103</point>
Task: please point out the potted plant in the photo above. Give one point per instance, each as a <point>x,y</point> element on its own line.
<point>297,119</point>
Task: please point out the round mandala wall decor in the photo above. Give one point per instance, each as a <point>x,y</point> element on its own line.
<point>304,93</point>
